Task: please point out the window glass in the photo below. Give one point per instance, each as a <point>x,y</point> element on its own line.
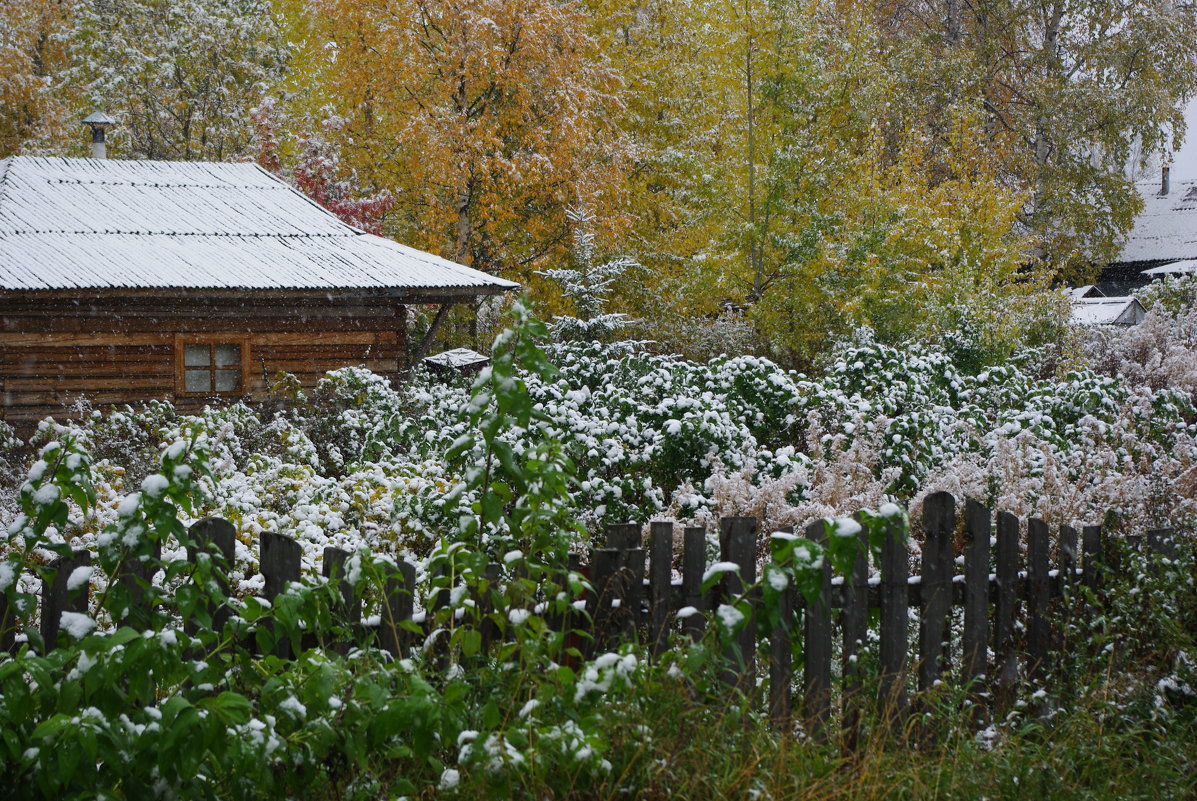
<point>196,355</point>
<point>228,356</point>
<point>228,380</point>
<point>197,381</point>
<point>211,368</point>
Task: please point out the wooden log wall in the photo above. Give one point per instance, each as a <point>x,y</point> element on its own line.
<point>112,349</point>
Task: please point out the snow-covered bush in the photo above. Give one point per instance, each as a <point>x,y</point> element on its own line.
<point>360,461</point>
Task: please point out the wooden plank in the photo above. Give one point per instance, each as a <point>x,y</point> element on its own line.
<point>816,674</point>
<point>661,585</point>
<point>976,590</point>
<point>622,536</point>
<point>97,397</point>
<point>160,368</point>
<point>217,538</point>
<point>43,338</point>
<point>8,625</point>
<point>74,352</point>
<point>855,624</point>
<point>939,521</point>
<point>318,367</point>
<point>136,575</point>
<point>486,606</point>
<point>1006,658</point>
<point>605,568</point>
<point>781,656</point>
<point>737,537</point>
<point>279,562</point>
<point>894,617</point>
<point>1161,546</point>
<point>694,561</point>
<point>317,337</point>
<point>133,324</point>
<point>84,384</point>
<point>1066,558</point>
<point>333,569</point>
<point>397,608</point>
<point>56,598</point>
<point>273,352</point>
<point>1038,629</point>
<point>1093,556</point>
<point>631,568</point>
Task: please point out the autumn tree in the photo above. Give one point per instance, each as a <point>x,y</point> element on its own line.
<point>32,109</point>
<point>1070,90</point>
<point>314,166</point>
<point>181,76</point>
<point>486,118</point>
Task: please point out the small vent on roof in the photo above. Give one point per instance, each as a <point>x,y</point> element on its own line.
<point>99,122</point>
<point>1191,195</point>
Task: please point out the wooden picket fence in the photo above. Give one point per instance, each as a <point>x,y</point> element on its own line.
<point>1000,587</point>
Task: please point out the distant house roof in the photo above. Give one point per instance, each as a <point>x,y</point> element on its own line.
<point>1166,230</point>
<point>109,224</point>
<point>1107,311</point>
<point>1184,267</point>
<point>1081,292</point>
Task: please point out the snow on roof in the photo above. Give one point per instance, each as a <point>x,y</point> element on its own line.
<point>1184,267</point>
<point>1166,230</point>
<point>91,224</point>
<point>1107,311</point>
<point>1086,291</point>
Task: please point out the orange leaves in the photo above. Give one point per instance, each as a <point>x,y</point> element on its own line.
<point>485,117</point>
<point>31,51</point>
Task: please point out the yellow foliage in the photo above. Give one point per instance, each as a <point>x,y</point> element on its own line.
<point>487,118</point>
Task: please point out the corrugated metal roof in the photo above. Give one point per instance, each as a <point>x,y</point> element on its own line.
<point>1107,311</point>
<point>1184,267</point>
<point>88,224</point>
<point>1166,230</point>
<point>1082,292</point>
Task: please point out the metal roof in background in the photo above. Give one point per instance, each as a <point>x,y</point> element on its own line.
<point>1107,311</point>
<point>109,224</point>
<point>1166,230</point>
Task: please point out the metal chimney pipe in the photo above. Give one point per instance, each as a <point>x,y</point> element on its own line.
<point>1165,181</point>
<point>99,123</point>
<point>99,149</point>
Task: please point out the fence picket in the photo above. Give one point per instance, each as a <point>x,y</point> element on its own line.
<point>397,608</point>
<point>816,673</point>
<point>58,598</point>
<point>8,625</point>
<point>855,628</point>
<point>781,656</point>
<point>976,590</point>
<point>1038,597</point>
<point>939,521</point>
<point>737,537</point>
<point>605,565</point>
<point>894,613</point>
<point>279,562</point>
<point>661,585</point>
<point>1006,665</point>
<point>694,561</point>
<point>213,537</point>
<point>1066,563</point>
<point>617,608</point>
<point>1093,558</point>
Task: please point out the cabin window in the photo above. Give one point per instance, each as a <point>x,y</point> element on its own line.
<point>210,366</point>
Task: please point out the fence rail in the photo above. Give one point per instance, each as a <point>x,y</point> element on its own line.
<point>1016,603</point>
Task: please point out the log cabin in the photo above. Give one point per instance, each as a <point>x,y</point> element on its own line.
<point>126,281</point>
